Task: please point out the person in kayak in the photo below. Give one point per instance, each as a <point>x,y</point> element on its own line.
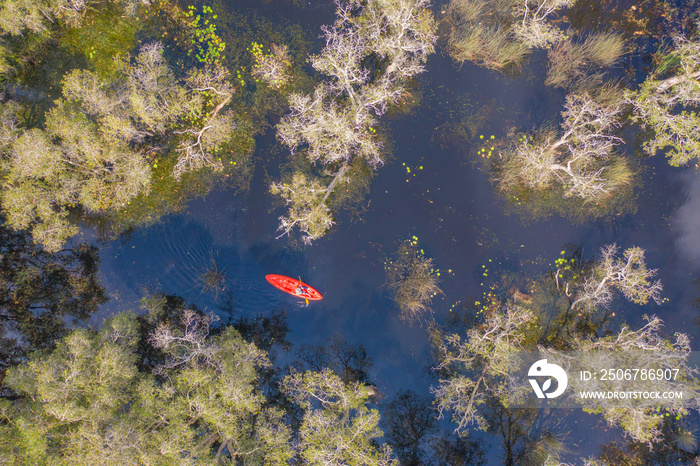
<point>301,290</point>
<point>294,287</point>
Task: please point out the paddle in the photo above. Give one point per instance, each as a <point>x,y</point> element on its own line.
<point>300,282</point>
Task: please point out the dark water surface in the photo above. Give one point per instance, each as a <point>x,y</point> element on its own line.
<point>449,205</point>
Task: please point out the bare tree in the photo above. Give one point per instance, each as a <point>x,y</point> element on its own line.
<point>198,149</point>
<point>335,122</point>
<point>533,27</point>
<point>476,367</point>
<point>574,157</point>
<point>628,274</point>
<point>329,130</point>
<point>185,344</point>
<point>150,101</point>
<point>156,98</point>
<point>272,68</point>
<point>411,421</point>
<point>307,211</point>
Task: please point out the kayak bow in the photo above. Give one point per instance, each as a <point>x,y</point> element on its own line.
<point>294,287</point>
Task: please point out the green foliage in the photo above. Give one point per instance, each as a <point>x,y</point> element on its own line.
<point>105,33</point>
<point>123,105</point>
<point>92,154</point>
<point>36,64</point>
<point>88,403</point>
<point>337,428</point>
<point>44,179</point>
<point>667,104</point>
<point>239,29</point>
<point>412,280</point>
<point>308,211</point>
<point>169,196</point>
<point>17,16</point>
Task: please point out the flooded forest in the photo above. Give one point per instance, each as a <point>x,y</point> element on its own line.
<point>350,232</point>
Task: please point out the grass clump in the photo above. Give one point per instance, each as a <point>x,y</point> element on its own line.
<point>412,279</point>
<point>213,279</point>
<point>571,61</point>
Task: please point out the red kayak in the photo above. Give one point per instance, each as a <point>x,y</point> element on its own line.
<point>294,287</point>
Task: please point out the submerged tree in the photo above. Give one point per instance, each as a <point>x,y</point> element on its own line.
<point>44,179</point>
<point>411,422</point>
<point>371,51</point>
<point>578,157</point>
<point>308,211</point>
<point>642,419</point>
<point>667,102</point>
<point>272,68</point>
<point>349,362</point>
<point>40,293</point>
<point>576,170</point>
<point>213,278</point>
<point>475,369</point>
<point>679,446</point>
<point>412,280</point>
<point>18,16</point>
<point>454,450</point>
<point>150,103</point>
<point>628,274</point>
<point>476,383</point>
